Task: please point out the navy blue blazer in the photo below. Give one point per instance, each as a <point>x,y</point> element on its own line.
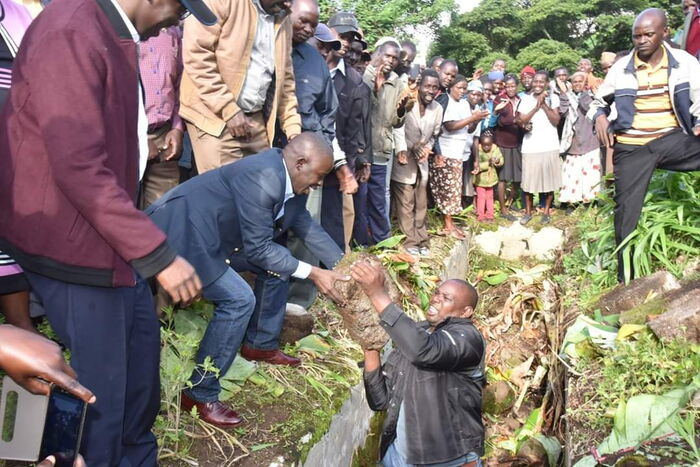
<point>231,212</point>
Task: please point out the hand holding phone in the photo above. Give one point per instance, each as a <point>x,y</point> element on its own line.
<point>63,429</point>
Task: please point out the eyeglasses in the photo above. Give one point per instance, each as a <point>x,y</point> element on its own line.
<point>185,14</point>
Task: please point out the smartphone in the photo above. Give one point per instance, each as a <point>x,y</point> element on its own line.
<point>63,429</point>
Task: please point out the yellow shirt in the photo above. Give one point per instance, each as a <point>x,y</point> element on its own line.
<point>653,116</point>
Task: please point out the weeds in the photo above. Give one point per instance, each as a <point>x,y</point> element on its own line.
<point>667,235</point>
<point>645,366</point>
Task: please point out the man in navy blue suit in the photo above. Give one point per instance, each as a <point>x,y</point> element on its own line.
<point>233,219</point>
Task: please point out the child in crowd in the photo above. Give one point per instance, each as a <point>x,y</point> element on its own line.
<point>486,177</point>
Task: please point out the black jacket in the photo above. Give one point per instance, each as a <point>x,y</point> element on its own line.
<point>439,377</point>
<point>352,124</point>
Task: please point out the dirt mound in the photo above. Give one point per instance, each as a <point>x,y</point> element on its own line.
<point>359,316</point>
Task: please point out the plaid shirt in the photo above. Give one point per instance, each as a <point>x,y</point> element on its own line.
<point>160,63</point>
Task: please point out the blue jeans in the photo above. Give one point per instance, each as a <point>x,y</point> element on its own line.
<point>393,458</point>
<point>114,338</point>
<point>371,214</point>
<point>234,302</point>
<point>268,317</point>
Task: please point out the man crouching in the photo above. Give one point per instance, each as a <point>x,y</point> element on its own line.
<point>431,381</point>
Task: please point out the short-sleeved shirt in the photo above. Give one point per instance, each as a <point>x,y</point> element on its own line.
<point>543,137</point>
<point>452,142</point>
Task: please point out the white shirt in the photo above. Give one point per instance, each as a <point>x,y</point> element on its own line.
<point>262,64</point>
<point>142,123</point>
<point>304,269</point>
<point>338,153</point>
<point>452,143</point>
<point>543,137</point>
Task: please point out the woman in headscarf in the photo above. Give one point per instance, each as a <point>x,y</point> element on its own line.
<point>581,170</point>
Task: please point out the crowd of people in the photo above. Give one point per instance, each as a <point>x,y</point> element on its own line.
<point>151,159</point>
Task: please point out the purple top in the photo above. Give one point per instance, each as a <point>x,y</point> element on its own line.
<point>160,63</point>
<point>15,20</point>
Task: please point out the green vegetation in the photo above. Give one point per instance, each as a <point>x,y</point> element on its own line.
<point>313,393</point>
<point>530,30</point>
<point>668,234</point>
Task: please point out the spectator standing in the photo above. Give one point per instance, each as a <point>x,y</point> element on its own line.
<point>448,72</point>
<point>653,129</point>
<point>431,383</point>
<point>499,65</point>
<point>238,80</point>
<point>486,177</point>
<point>527,74</point>
<point>388,110</point>
<point>475,97</point>
<point>508,137</point>
<point>581,170</point>
<point>538,116</point>
<point>435,63</point>
<point>446,170</point>
<point>14,288</point>
<point>409,176</point>
<point>86,249</point>
<point>585,66</point>
<point>160,64</point>
<point>408,55</point>
<point>353,144</point>
<point>688,37</point>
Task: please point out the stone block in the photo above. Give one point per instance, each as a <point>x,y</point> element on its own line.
<point>544,244</point>
<point>513,249</point>
<point>515,231</point>
<point>626,297</point>
<point>489,243</point>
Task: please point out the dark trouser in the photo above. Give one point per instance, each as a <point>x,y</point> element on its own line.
<point>114,339</point>
<point>234,302</point>
<point>634,166</point>
<point>371,218</point>
<point>332,210</point>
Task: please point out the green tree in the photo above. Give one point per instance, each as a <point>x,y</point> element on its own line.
<point>587,26</point>
<point>464,46</point>
<point>380,18</point>
<point>547,54</point>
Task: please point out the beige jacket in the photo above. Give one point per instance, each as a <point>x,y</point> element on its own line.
<point>383,114</point>
<point>418,131</point>
<point>216,60</point>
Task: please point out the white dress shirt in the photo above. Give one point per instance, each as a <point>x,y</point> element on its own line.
<point>304,269</point>
<point>142,123</point>
<point>262,64</point>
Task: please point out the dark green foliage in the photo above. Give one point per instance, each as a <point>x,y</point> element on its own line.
<point>588,28</point>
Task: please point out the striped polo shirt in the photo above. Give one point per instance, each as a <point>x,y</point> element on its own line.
<point>653,115</point>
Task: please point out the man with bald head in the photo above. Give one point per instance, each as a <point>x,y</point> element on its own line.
<point>430,384</point>
<point>656,90</point>
<point>235,219</point>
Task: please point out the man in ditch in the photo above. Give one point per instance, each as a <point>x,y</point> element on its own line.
<point>431,382</point>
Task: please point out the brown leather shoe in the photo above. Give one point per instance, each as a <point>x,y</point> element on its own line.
<point>275,357</point>
<point>215,413</point>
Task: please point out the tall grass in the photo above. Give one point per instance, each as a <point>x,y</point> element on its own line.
<point>667,236</point>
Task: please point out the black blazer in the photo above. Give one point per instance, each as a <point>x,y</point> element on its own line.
<point>352,124</point>
<point>231,212</point>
